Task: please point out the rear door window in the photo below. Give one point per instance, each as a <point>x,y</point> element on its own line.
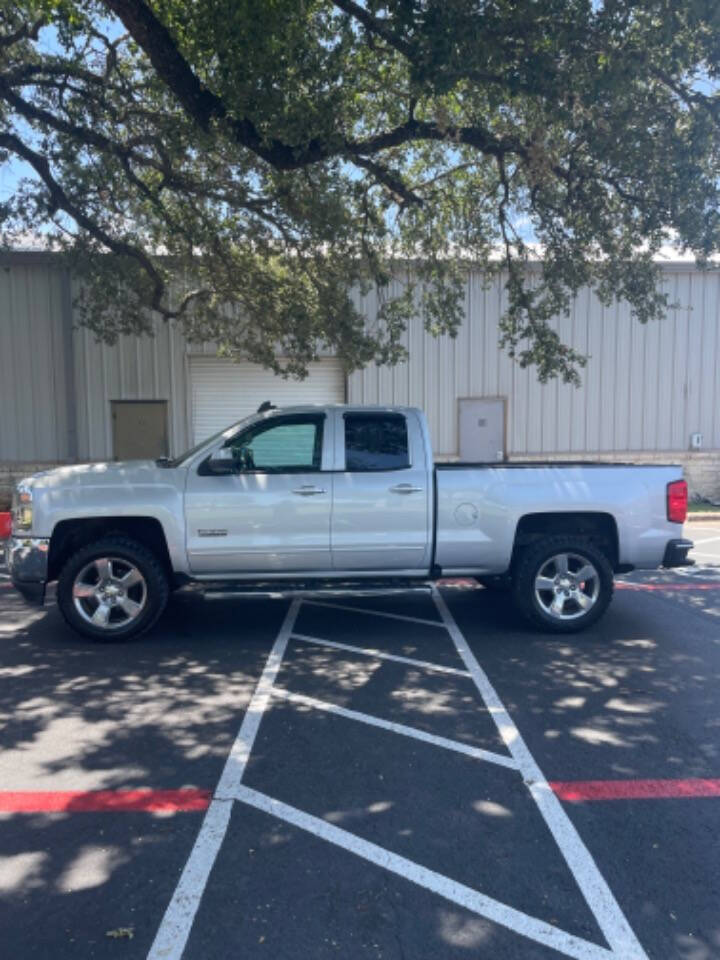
<point>376,441</point>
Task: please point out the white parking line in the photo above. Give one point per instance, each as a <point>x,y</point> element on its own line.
<point>175,927</point>
<point>381,655</point>
<point>597,893</point>
<point>451,890</point>
<point>457,745</point>
<point>376,613</point>
<point>177,922</point>
<point>707,540</point>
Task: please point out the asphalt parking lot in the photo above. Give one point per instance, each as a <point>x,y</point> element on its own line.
<point>417,776</point>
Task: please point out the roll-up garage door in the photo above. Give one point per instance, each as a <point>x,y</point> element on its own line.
<point>224,392</point>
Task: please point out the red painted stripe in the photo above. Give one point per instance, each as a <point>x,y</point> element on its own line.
<point>101,801</point>
<point>622,585</point>
<point>5,525</point>
<point>583,791</point>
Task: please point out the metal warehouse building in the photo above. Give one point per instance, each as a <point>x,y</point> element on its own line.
<point>648,392</point>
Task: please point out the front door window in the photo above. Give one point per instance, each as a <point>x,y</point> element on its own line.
<point>292,445</point>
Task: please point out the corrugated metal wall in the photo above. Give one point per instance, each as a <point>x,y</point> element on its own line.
<point>147,368</point>
<point>644,388</point>
<point>35,413</point>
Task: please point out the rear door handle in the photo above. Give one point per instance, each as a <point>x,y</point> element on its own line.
<point>308,490</point>
<point>405,488</point>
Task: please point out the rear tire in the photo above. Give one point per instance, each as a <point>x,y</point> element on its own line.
<point>112,589</point>
<point>563,583</point>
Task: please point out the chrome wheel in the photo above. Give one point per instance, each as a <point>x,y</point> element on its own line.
<point>567,586</point>
<point>109,593</point>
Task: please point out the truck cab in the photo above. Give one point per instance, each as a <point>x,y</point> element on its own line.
<point>337,491</point>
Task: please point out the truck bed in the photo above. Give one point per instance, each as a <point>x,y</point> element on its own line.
<point>479,506</point>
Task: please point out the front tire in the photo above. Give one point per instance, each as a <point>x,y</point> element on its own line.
<point>563,583</point>
<point>112,589</point>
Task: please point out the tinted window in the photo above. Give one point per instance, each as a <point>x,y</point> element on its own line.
<point>376,441</point>
<point>287,446</point>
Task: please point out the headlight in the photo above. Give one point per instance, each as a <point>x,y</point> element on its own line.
<point>22,514</point>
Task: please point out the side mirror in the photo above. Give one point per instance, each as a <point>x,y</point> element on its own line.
<point>222,461</point>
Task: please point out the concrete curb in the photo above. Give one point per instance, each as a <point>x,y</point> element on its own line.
<point>710,515</point>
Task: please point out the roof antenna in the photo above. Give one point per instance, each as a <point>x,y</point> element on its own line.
<point>264,407</point>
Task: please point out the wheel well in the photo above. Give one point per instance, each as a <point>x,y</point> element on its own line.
<point>69,535</point>
<point>600,528</point>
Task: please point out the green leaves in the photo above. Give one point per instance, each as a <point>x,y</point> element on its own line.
<point>251,169</point>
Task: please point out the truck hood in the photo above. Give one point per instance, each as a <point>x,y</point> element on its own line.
<point>115,474</point>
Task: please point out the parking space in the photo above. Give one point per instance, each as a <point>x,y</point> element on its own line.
<point>411,802</point>
<point>414,776</point>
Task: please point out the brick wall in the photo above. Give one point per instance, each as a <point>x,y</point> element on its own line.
<point>703,475</point>
<point>701,468</point>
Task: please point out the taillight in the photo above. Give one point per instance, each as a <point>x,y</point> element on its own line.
<point>677,501</point>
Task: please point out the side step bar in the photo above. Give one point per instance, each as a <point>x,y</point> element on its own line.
<point>233,589</point>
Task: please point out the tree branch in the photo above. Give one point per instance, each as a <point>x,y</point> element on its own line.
<point>126,153</point>
<point>204,106</point>
<point>199,102</point>
<point>402,194</point>
<point>414,129</point>
<point>31,112</point>
<point>377,27</point>
<point>24,32</point>
<point>89,137</point>
<point>61,201</point>
<point>689,98</point>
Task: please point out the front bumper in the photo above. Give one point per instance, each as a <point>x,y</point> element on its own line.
<point>27,560</point>
<point>676,553</point>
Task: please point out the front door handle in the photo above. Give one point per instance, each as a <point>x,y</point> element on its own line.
<point>308,490</point>
<point>405,488</point>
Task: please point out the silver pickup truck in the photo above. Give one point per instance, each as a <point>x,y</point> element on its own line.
<point>337,497</point>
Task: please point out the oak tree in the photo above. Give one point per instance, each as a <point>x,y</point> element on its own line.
<point>246,167</point>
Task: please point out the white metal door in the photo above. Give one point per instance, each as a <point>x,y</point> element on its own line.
<point>223,392</point>
<point>482,429</point>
